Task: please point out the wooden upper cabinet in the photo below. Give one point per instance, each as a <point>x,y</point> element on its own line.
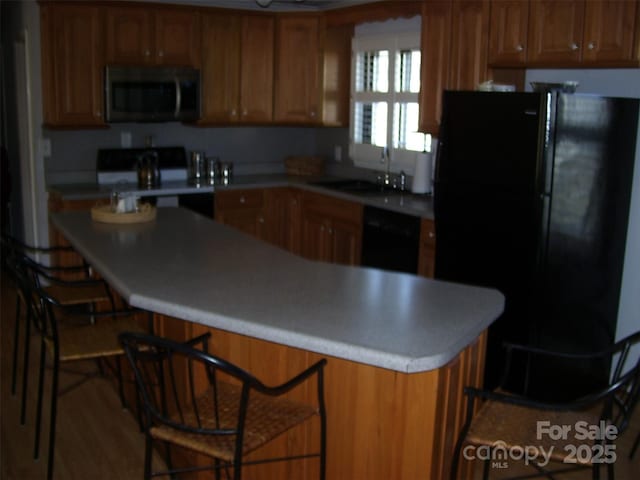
<point>597,33</point>
<point>297,71</point>
<point>609,30</point>
<point>336,73</point>
<point>555,32</point>
<point>72,65</point>
<point>256,68</point>
<point>159,36</point>
<point>177,37</point>
<point>508,32</point>
<point>220,68</point>
<point>435,62</point>
<point>455,36</point>
<point>470,39</point>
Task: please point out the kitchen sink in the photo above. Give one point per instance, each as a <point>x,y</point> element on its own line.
<point>356,186</point>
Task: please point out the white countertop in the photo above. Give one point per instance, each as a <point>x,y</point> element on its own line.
<point>190,267</point>
<point>418,205</point>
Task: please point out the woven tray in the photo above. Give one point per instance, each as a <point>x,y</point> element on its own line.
<point>304,165</point>
<point>103,213</point>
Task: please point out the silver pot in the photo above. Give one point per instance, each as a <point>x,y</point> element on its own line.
<point>196,166</point>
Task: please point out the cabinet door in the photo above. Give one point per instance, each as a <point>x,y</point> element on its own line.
<point>508,32</point>
<point>220,68</point>
<point>177,36</point>
<point>256,68</point>
<point>470,39</point>
<point>609,32</point>
<point>297,83</point>
<point>72,65</point>
<point>129,36</point>
<point>315,237</point>
<point>435,62</point>
<point>555,32</point>
<point>242,209</point>
<point>346,242</point>
<point>427,254</point>
<point>250,221</point>
<point>282,212</point>
<point>336,84</point>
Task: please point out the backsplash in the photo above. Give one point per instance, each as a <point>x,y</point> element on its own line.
<point>251,149</point>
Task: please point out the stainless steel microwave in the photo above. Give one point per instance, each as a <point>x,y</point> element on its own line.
<point>152,94</point>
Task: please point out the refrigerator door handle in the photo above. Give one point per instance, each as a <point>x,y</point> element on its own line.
<point>543,240</point>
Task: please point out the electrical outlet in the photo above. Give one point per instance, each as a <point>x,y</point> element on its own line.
<point>46,147</point>
<point>125,139</point>
<point>337,153</point>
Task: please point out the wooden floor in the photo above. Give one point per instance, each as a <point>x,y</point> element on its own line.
<point>97,439</point>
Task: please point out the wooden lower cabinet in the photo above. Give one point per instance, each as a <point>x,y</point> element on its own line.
<point>427,252</point>
<point>283,207</point>
<point>331,229</point>
<point>243,210</point>
<point>381,424</point>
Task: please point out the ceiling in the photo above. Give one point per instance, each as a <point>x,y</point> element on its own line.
<point>276,5</point>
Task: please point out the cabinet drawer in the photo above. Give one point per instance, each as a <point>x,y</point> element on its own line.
<point>333,207</point>
<point>239,199</point>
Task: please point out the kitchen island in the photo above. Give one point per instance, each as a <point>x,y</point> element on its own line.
<point>399,346</point>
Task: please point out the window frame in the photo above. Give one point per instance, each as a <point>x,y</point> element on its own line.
<point>370,156</point>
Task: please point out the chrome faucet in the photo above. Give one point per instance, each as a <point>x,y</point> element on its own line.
<point>386,158</point>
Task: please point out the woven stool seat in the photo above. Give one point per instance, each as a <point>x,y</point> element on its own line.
<point>94,341</point>
<point>221,419</point>
<point>495,423</point>
<point>267,417</point>
<point>554,436</point>
<point>78,295</point>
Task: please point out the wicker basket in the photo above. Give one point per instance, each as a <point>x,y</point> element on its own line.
<point>299,165</point>
<point>103,213</point>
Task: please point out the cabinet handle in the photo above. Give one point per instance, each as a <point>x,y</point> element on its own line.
<point>330,231</point>
<point>519,48</point>
<point>98,114</point>
<point>242,200</point>
<point>312,114</point>
<point>432,234</point>
<point>244,113</point>
<point>234,113</point>
<point>147,53</point>
<point>322,228</point>
<point>591,45</point>
<point>261,219</point>
<point>574,46</point>
<point>161,53</point>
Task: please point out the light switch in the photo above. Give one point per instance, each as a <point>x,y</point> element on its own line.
<point>125,139</point>
<point>46,147</point>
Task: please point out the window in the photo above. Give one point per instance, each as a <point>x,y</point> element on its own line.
<point>384,101</point>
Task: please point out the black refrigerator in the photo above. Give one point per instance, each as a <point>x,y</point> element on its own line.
<point>531,196</point>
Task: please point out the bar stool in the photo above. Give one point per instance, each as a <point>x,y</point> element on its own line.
<point>85,335</point>
<point>224,420</point>
<point>86,292</point>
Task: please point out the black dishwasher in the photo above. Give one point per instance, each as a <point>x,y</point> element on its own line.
<point>390,240</point>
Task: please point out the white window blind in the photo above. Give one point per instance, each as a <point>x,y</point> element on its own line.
<point>384,105</point>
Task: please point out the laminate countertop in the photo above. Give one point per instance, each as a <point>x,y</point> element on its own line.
<point>402,202</point>
<point>190,267</point>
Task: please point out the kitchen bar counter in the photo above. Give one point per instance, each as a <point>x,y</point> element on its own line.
<point>418,205</point>
<point>400,348</point>
<point>186,266</point>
